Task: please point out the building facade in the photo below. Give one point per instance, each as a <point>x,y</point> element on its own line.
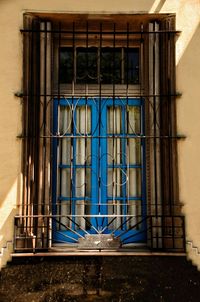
<point>99,139</point>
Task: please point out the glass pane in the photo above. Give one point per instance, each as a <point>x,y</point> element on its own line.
<point>65,127</point>
<point>65,120</point>
<point>131,58</point>
<point>65,209</point>
<point>116,209</point>
<point>133,120</point>
<point>83,120</point>
<point>65,179</point>
<point>110,68</point>
<point>65,153</point>
<point>114,151</point>
<point>66,65</point>
<point>83,182</point>
<point>135,210</point>
<point>134,151</point>
<point>134,182</point>
<point>114,120</point>
<point>83,151</point>
<point>80,210</point>
<point>86,65</point>
<point>65,205</point>
<point>117,179</point>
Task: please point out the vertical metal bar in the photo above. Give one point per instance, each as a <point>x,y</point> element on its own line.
<point>142,132</point>
<point>127,60</point>
<point>48,127</point>
<point>122,66</point>
<point>114,123</point>
<point>154,127</point>
<point>100,185</point>
<point>169,139</point>
<point>30,133</point>
<point>26,122</point>
<point>143,167</point>
<point>44,128</point>
<point>59,108</point>
<point>34,136</point>
<point>127,171</point>
<point>72,123</point>
<point>86,121</point>
<point>74,195</point>
<point>171,180</point>
<point>158,142</point>
<point>127,129</point>
<point>154,140</point>
<point>54,168</point>
<point>124,169</point>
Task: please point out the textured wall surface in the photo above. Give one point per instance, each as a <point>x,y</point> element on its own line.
<point>188,106</point>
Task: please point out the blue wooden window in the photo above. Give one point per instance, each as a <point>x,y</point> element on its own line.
<point>98,168</point>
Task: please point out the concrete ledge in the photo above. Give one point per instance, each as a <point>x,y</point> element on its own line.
<point>95,253</point>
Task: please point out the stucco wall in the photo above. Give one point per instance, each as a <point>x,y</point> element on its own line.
<point>188,79</point>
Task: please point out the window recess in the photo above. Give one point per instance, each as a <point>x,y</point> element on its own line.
<point>99,133</point>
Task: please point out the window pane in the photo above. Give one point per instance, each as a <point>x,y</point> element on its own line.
<point>114,119</point>
<point>65,120</point>
<point>134,151</point>
<point>133,119</point>
<point>83,182</point>
<point>86,69</point>
<point>83,120</point>
<point>66,65</point>
<point>110,65</point>
<point>134,182</point>
<point>131,59</point>
<point>134,209</point>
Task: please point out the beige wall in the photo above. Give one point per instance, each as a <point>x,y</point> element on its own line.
<point>188,82</point>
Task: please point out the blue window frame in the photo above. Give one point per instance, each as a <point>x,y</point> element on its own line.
<point>98,168</point>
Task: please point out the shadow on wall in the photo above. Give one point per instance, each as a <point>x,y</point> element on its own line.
<point>7,229</point>
<point>157,6</point>
<point>188,77</point>
<point>8,210</point>
<point>10,152</point>
<point>188,120</point>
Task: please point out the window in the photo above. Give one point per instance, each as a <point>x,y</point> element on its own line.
<point>100,134</point>
<point>100,166</point>
<point>118,65</point>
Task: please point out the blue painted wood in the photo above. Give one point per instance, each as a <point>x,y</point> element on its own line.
<point>94,161</point>
<point>124,170</point>
<point>99,167</point>
<point>73,189</point>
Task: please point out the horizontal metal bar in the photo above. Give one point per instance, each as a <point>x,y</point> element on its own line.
<point>179,136</point>
<point>74,198</point>
<point>130,166</point>
<point>62,198</point>
<point>127,198</point>
<point>99,216</point>
<point>98,32</point>
<point>55,95</point>
<point>61,166</point>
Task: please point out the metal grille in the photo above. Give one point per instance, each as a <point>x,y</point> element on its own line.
<point>99,138</point>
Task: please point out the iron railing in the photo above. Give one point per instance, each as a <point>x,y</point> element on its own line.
<point>163,233</point>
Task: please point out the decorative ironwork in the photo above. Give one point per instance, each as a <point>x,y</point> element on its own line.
<point>88,85</point>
